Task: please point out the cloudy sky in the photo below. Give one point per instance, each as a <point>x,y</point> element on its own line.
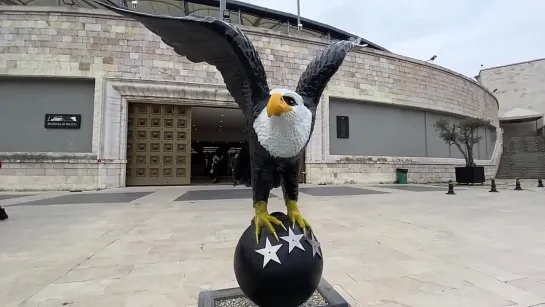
<point>462,33</point>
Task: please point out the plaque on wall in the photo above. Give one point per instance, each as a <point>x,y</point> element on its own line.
<point>63,121</point>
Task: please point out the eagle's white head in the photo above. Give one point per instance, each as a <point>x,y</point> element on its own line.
<point>283,127</point>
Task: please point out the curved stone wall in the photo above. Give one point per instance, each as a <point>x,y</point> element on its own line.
<point>57,41</point>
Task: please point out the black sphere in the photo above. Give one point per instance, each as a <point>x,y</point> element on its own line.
<point>288,284</point>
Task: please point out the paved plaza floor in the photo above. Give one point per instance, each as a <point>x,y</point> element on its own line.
<point>383,246</point>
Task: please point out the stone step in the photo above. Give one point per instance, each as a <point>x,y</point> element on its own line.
<point>514,176</point>
<point>523,157</point>
<point>519,174</point>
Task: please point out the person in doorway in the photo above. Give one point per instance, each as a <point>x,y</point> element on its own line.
<point>206,162</point>
<point>232,166</point>
<point>215,167</point>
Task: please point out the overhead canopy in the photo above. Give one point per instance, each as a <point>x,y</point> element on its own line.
<point>240,13</point>
<point>520,115</point>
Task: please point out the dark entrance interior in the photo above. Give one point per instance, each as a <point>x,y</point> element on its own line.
<point>215,132</point>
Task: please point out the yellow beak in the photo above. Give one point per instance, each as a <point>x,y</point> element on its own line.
<point>276,105</point>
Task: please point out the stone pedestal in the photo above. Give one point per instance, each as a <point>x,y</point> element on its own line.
<point>325,296</point>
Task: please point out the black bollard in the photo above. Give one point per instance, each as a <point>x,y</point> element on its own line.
<point>517,185</point>
<point>493,186</point>
<point>450,188</point>
<point>3,214</point>
<point>540,183</point>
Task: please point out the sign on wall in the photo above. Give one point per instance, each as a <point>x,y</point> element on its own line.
<point>62,121</point>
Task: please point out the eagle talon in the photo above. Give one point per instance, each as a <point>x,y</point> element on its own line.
<point>295,216</point>
<point>264,219</point>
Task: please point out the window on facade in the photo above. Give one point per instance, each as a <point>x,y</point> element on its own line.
<point>343,127</point>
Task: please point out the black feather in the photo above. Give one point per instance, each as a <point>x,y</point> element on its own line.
<point>207,39</point>
<point>318,73</point>
<point>242,171</point>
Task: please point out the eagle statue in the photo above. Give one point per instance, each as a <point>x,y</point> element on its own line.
<point>279,121</point>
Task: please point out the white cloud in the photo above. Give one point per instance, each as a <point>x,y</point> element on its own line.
<point>462,33</point>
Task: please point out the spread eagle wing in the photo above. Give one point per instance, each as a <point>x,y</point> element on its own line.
<point>318,73</point>
<point>210,40</point>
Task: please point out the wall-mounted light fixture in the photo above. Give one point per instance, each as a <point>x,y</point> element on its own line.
<point>432,58</point>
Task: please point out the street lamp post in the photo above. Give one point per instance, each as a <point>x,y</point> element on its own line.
<point>299,25</point>
<point>222,9</point>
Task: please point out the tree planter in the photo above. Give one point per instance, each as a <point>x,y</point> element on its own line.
<point>462,135</point>
<point>468,174</point>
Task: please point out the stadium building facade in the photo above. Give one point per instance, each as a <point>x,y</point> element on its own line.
<point>92,100</point>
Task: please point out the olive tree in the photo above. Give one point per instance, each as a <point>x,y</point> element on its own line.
<point>462,135</point>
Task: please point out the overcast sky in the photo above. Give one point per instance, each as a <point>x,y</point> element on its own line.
<point>462,33</point>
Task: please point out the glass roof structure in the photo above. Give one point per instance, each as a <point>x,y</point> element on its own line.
<point>239,13</point>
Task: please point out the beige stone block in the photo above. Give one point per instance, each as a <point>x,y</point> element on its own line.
<point>54,172</point>
<point>35,172</point>
<point>92,27</point>
<point>71,172</point>
<point>91,171</point>
<point>8,172</point>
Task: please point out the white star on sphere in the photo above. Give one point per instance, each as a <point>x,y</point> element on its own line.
<point>315,245</point>
<point>269,252</point>
<point>293,240</point>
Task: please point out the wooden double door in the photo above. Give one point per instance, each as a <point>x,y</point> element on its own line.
<point>158,145</point>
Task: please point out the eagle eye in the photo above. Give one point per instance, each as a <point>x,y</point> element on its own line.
<point>290,101</point>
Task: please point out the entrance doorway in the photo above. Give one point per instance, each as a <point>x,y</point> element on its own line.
<point>158,144</point>
<point>222,131</point>
<point>217,135</point>
<point>176,145</point>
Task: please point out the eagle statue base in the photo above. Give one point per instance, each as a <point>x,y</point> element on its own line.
<point>324,296</point>
<point>278,272</point>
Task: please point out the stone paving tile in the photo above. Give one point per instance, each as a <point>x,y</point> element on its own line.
<point>5,202</point>
<point>86,198</point>
<point>338,191</point>
<point>217,194</point>
<point>466,296</point>
<point>11,196</point>
<point>87,274</point>
<point>529,284</point>
<point>395,249</point>
<point>411,187</point>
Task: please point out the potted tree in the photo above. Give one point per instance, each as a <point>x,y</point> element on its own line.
<point>462,135</point>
